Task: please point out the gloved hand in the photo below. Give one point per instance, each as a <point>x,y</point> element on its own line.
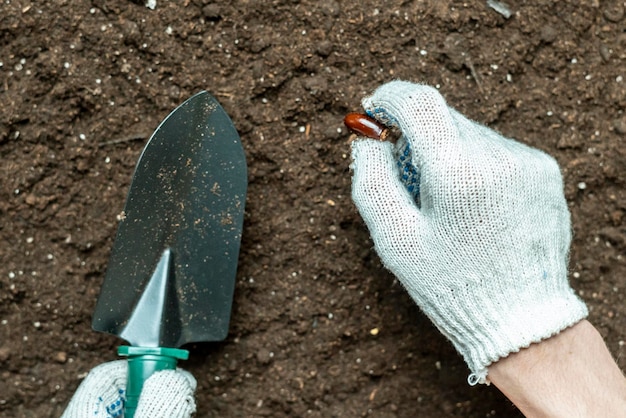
<point>166,394</point>
<point>474,225</point>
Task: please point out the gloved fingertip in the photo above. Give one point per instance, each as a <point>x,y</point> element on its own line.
<point>192,380</point>
<point>167,393</point>
<point>172,378</point>
<point>419,111</point>
<point>363,147</point>
<point>395,102</point>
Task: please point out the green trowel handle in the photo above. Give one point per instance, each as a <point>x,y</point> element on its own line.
<point>142,362</point>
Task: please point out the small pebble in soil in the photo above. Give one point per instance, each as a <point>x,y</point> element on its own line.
<point>5,353</point>
<point>60,357</point>
<point>264,356</point>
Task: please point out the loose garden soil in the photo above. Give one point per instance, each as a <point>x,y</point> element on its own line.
<point>319,328</point>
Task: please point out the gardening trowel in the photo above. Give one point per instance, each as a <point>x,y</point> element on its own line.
<point>171,275</point>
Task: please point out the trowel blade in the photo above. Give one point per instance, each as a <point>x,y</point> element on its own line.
<point>186,203</point>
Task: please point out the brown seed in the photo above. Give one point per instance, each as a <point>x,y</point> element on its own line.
<point>364,125</point>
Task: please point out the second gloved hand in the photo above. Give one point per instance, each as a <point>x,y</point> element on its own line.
<point>483,250</point>
<point>166,394</point>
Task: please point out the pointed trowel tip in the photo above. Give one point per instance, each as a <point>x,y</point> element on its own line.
<point>143,328</point>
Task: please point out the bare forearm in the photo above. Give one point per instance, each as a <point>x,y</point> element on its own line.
<point>569,375</point>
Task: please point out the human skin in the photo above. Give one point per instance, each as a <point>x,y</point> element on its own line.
<point>571,374</point>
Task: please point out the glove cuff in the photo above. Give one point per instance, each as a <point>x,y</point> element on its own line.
<point>502,326</point>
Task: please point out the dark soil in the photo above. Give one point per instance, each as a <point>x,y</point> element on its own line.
<point>84,83</point>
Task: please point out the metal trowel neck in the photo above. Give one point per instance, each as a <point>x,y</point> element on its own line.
<point>150,322</point>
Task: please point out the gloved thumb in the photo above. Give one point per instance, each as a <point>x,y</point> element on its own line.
<point>380,196</point>
<point>168,393</point>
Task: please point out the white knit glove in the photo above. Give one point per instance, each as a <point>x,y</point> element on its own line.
<point>166,394</point>
<point>473,224</point>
